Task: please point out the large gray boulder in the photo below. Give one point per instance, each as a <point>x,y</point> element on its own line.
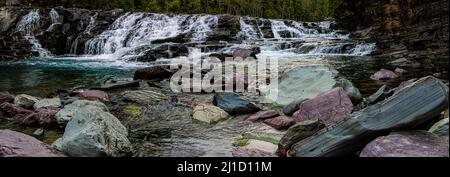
<point>15,144</point>
<point>66,114</point>
<point>307,82</point>
<point>92,132</point>
<point>47,103</point>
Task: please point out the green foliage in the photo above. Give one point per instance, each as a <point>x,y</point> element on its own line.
<point>307,10</point>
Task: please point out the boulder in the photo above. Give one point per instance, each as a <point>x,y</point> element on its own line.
<point>145,97</point>
<point>424,100</point>
<point>378,96</point>
<point>93,132</point>
<point>440,128</point>
<point>15,144</point>
<point>261,145</point>
<point>209,114</point>
<point>233,104</point>
<point>280,123</point>
<point>94,95</point>
<point>271,137</point>
<point>25,101</point>
<point>330,107</point>
<point>44,117</point>
<point>245,53</point>
<point>13,111</point>
<point>307,82</point>
<point>407,144</point>
<point>400,71</point>
<point>384,75</point>
<point>154,72</point>
<point>66,114</point>
<point>47,103</point>
<point>245,152</point>
<point>263,115</point>
<point>293,107</point>
<point>297,133</point>
<point>5,97</point>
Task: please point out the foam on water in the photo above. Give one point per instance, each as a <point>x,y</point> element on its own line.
<point>28,25</point>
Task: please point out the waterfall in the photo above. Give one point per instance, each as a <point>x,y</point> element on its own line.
<point>28,25</point>
<point>248,32</point>
<point>54,17</point>
<point>91,25</point>
<point>364,49</point>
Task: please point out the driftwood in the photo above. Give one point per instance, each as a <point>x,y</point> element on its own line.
<point>409,108</point>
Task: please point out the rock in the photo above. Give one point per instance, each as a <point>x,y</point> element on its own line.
<point>384,75</point>
<point>233,104</point>
<point>407,144</point>
<point>440,128</point>
<point>154,72</point>
<point>47,103</point>
<point>25,101</point>
<point>92,132</point>
<point>378,96</point>
<point>39,133</point>
<point>132,110</point>
<point>66,114</point>
<point>402,85</point>
<point>114,84</point>
<point>209,114</point>
<point>145,97</point>
<point>262,115</point>
<point>15,144</point>
<point>307,82</point>
<point>5,97</point>
<point>293,107</point>
<point>297,133</point>
<point>45,117</point>
<point>261,145</point>
<point>400,71</point>
<point>166,51</point>
<point>280,123</point>
<point>13,111</point>
<point>245,152</point>
<point>273,138</point>
<point>94,95</point>
<point>351,90</point>
<point>411,107</point>
<point>330,107</point>
<point>403,62</point>
<point>245,53</point>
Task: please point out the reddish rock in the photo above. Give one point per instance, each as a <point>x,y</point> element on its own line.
<point>407,144</point>
<point>330,107</point>
<point>384,75</point>
<point>42,117</point>
<point>154,72</point>
<point>280,123</point>
<point>12,111</point>
<point>5,97</point>
<point>400,71</point>
<point>244,152</point>
<point>262,115</point>
<point>245,53</point>
<point>94,95</point>
<point>15,144</point>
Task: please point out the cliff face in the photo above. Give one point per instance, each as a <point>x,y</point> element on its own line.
<point>402,28</point>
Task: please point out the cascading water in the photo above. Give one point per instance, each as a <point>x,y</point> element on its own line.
<point>54,17</point>
<point>28,26</point>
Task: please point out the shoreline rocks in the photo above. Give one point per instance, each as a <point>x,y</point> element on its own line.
<point>262,115</point>
<point>384,75</point>
<point>25,101</point>
<point>209,114</point>
<point>67,113</point>
<point>233,104</point>
<point>15,144</point>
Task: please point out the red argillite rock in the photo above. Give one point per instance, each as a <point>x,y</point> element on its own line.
<point>407,144</point>
<point>384,75</point>
<point>12,111</point>
<point>42,117</point>
<point>94,95</point>
<point>262,115</point>
<point>243,152</point>
<point>15,144</point>
<point>330,107</point>
<point>5,97</point>
<point>280,123</point>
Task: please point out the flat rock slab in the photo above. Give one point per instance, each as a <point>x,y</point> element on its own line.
<point>145,97</point>
<point>209,114</point>
<point>329,107</point>
<point>407,144</point>
<point>94,95</point>
<point>15,144</point>
<point>263,115</point>
<point>280,123</point>
<point>410,107</point>
<point>47,103</point>
<point>233,104</point>
<point>297,133</point>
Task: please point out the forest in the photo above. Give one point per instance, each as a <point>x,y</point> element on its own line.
<point>305,10</point>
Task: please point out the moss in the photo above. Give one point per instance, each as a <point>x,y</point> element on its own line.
<point>241,142</point>
<point>132,110</point>
<point>51,136</point>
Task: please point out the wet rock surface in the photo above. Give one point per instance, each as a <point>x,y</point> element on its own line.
<point>233,104</point>
<point>15,144</point>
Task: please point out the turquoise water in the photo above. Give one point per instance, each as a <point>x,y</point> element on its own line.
<point>42,76</point>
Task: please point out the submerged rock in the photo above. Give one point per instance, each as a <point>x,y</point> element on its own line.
<point>94,95</point>
<point>15,144</point>
<point>407,144</point>
<point>154,72</point>
<point>5,97</point>
<point>66,114</point>
<point>440,128</point>
<point>25,101</point>
<point>47,103</point>
<point>145,97</point>
<point>93,132</point>
<point>263,115</point>
<point>307,82</point>
<point>403,62</point>
<point>297,133</point>
<point>330,107</point>
<point>280,123</point>
<point>384,75</point>
<point>209,114</point>
<point>233,104</point>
